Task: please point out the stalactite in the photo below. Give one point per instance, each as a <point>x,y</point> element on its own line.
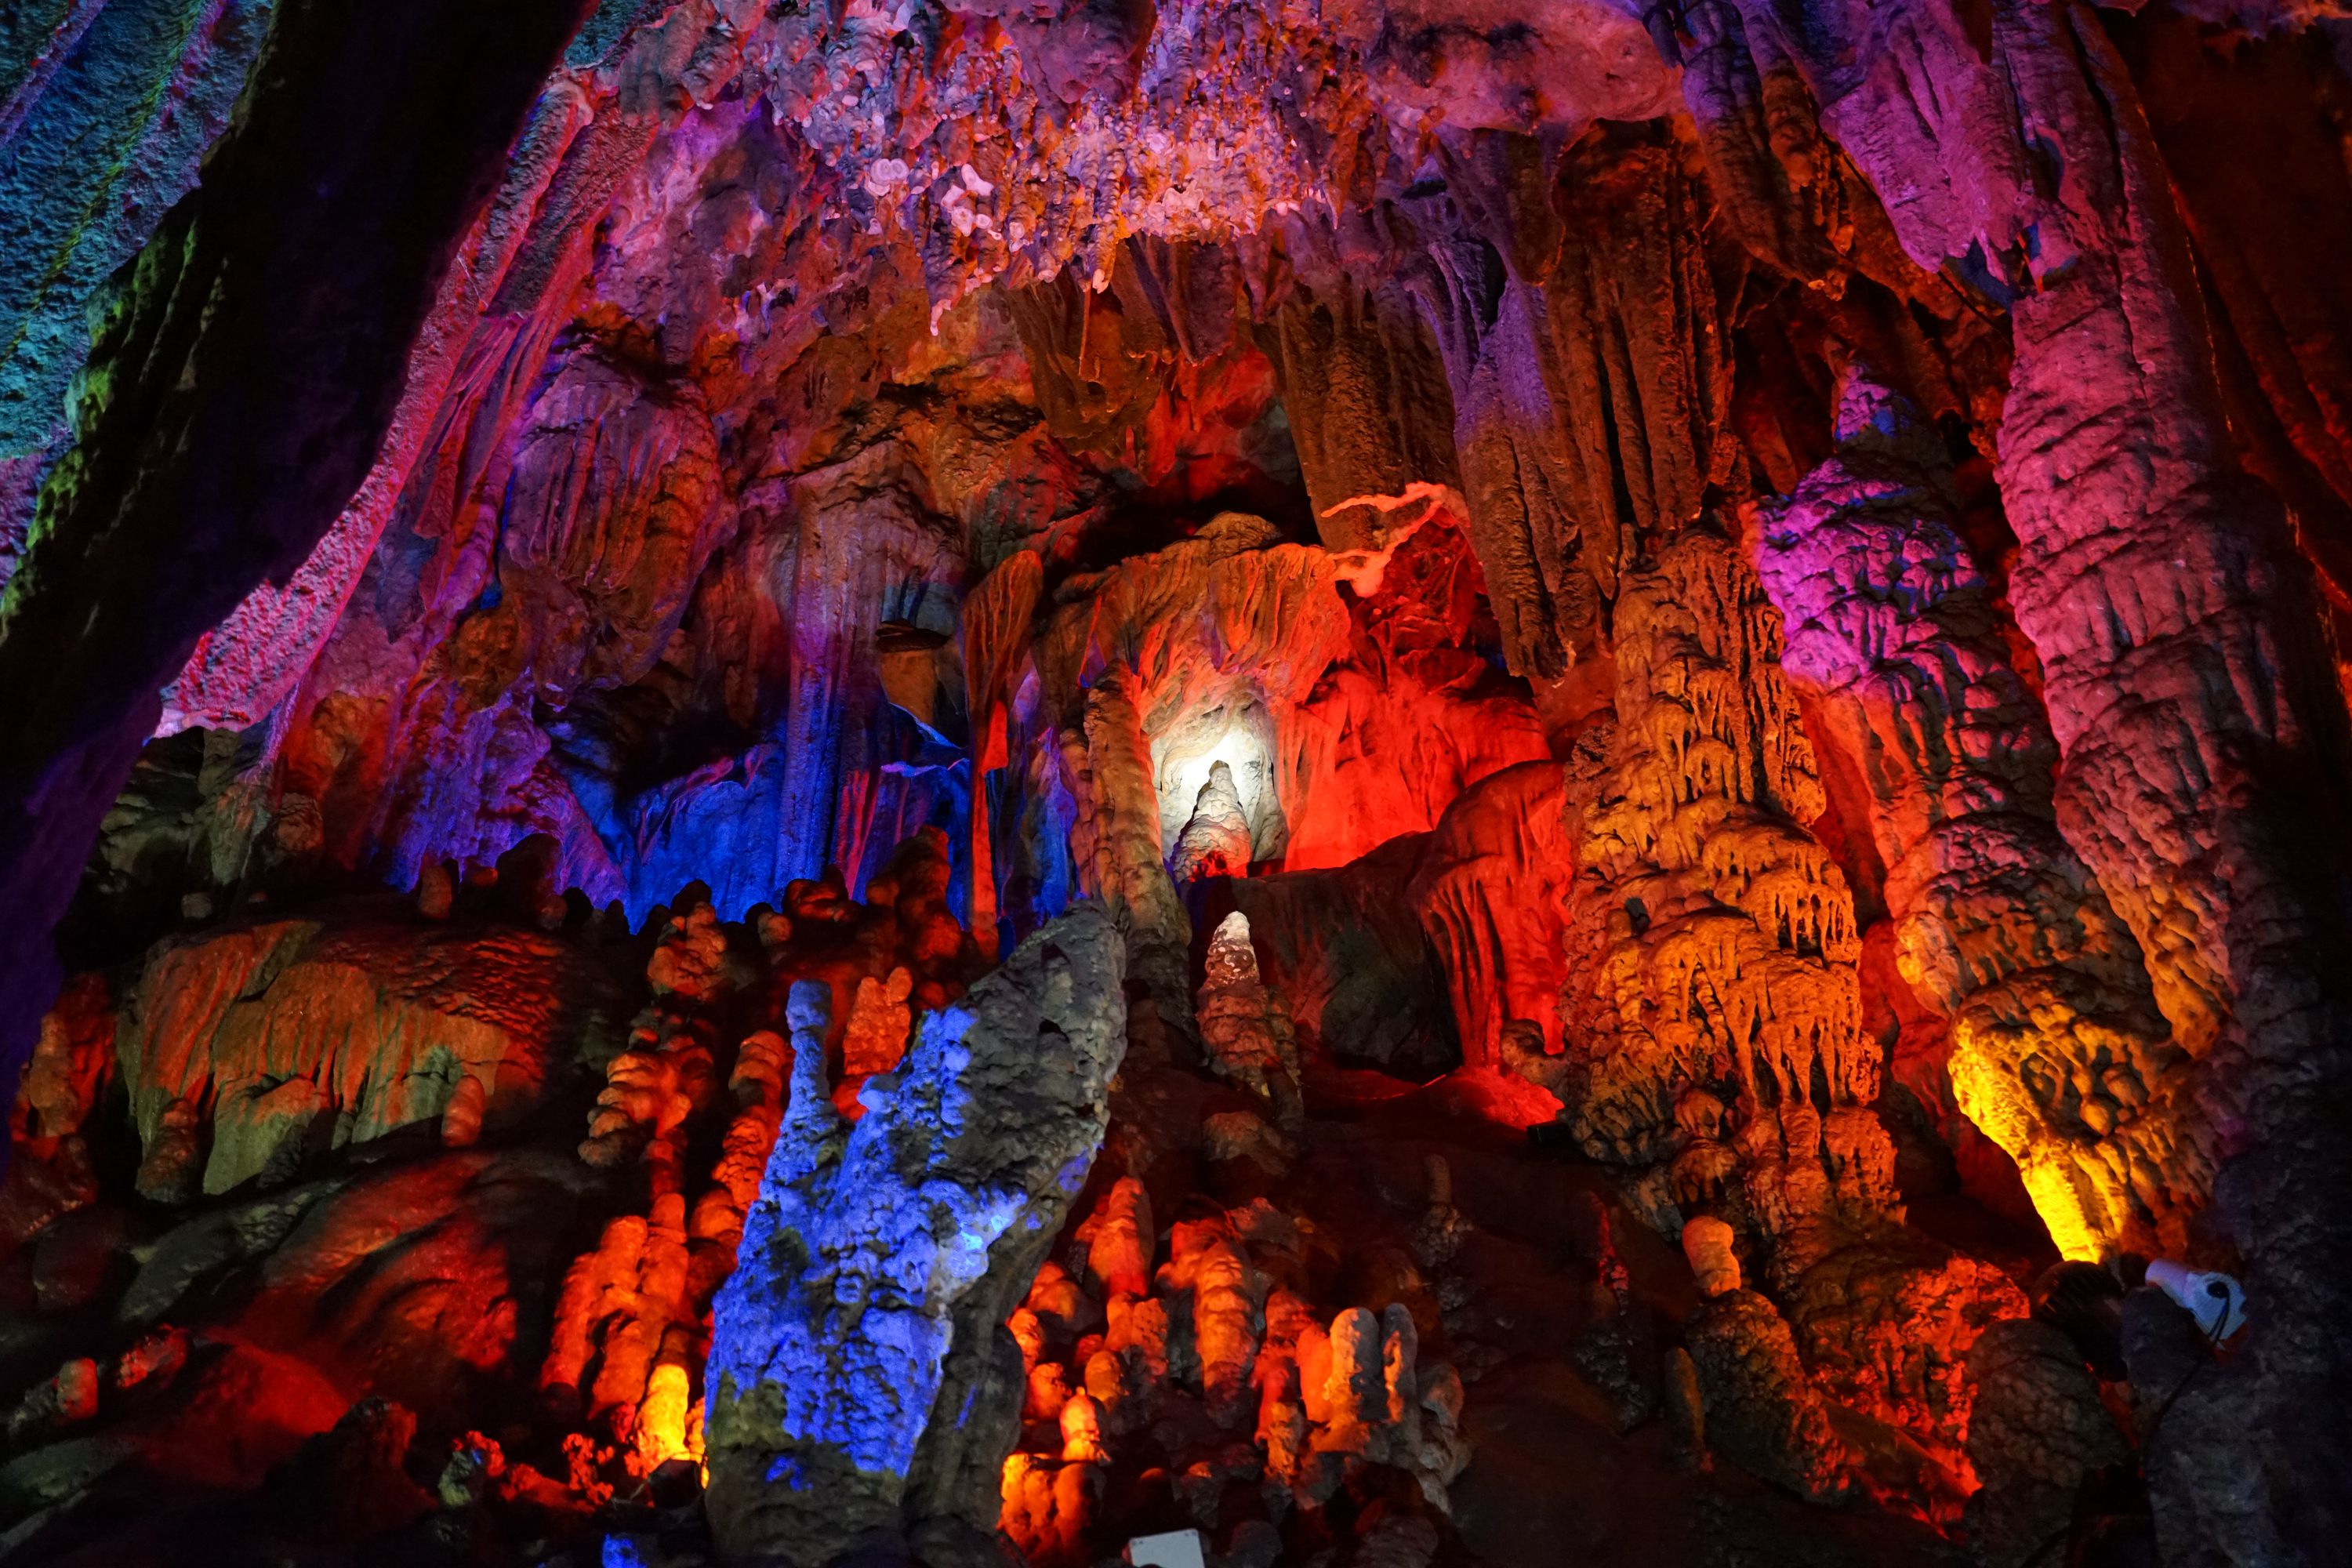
<point>1585,332</point>
<point>2058,1053</point>
<point>1366,396</point>
<point>995,627</point>
<point>2194,710</point>
<point>1489,892</point>
<point>1722,948</point>
<point>1638,318</point>
<point>1117,847</point>
<point>1482,294</point>
<point>2264,248</point>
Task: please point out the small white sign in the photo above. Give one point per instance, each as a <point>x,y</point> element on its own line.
<point>1177,1549</point>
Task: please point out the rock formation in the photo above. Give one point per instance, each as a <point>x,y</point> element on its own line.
<point>2056,1049</point>
<point>309,316</point>
<point>1713,1010</point>
<point>858,1377</point>
<point>251,1052</point>
<point>1490,890</point>
<point>1244,1033</point>
<point>2038,1433</point>
<point>1215,841</point>
<point>2118,475</point>
<point>1683,664</point>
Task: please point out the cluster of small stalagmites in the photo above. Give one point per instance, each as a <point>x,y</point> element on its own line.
<point>1211,1367</point>
<point>1713,1014</point>
<point>2058,1052</point>
<point>668,1070</point>
<point>630,1331</point>
<point>633,1322</point>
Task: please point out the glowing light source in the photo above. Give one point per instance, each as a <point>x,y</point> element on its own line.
<point>1239,733</point>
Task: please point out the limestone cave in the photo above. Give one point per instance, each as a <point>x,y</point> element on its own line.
<point>1230,784</point>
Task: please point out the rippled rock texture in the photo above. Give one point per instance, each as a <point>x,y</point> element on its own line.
<point>858,1377</point>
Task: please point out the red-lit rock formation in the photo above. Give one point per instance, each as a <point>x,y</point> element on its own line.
<point>1490,891</point>
<point>49,1170</point>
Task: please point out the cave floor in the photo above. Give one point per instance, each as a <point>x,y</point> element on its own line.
<point>1552,1479</point>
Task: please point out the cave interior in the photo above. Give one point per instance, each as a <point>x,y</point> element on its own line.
<point>1031,784</point>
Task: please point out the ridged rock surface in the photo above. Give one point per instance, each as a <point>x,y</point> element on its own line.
<point>858,1376</point>
<point>1713,968</point>
<point>245,1053</point>
<point>2057,1051</point>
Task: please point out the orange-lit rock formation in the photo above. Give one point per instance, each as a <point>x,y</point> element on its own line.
<point>246,1054</point>
<point>1712,1015</point>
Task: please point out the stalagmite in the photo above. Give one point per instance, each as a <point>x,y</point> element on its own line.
<point>856,1378</point>
<point>1760,1410</point>
<point>875,1037</point>
<point>1243,1029</point>
<point>1216,837</point>
<point>1720,940</point>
